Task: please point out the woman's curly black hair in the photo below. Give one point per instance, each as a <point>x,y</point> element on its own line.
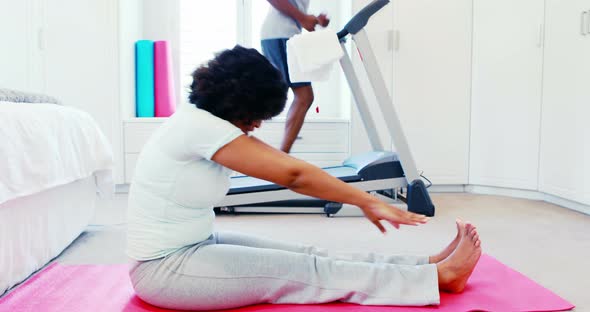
<point>239,84</point>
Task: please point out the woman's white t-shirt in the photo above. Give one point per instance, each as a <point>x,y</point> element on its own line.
<point>176,184</point>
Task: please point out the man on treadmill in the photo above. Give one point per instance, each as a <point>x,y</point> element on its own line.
<point>285,19</point>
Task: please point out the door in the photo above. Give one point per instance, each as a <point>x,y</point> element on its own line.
<point>506,93</point>
<point>565,134</point>
<point>431,83</point>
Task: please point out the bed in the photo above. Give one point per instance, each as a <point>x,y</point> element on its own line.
<point>54,160</point>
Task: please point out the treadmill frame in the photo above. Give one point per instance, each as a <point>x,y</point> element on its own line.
<point>233,200</point>
<point>417,195</point>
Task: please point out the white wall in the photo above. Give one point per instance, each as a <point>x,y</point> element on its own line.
<point>161,22</point>
<point>130,30</point>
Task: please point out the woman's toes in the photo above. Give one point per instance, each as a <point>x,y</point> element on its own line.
<point>468,226</point>
<point>472,234</point>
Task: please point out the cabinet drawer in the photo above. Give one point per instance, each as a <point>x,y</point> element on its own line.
<point>130,161</point>
<point>313,137</point>
<point>137,134</point>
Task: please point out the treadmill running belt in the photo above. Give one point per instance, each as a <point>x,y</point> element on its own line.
<point>246,184</point>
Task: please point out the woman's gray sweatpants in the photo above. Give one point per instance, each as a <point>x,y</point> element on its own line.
<point>230,270</point>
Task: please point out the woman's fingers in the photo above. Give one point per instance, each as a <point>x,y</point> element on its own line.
<point>395,224</point>
<point>405,217</point>
<point>416,217</point>
<point>393,215</point>
<point>379,226</point>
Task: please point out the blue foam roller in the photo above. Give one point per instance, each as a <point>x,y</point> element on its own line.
<point>144,78</point>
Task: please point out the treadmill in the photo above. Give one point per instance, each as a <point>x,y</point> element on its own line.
<point>379,171</point>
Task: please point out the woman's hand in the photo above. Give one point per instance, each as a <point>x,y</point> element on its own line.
<point>378,210</point>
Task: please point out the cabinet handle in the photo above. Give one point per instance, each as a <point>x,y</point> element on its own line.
<point>390,40</point>
<point>397,40</point>
<point>588,22</point>
<point>541,40</point>
<point>40,39</point>
<point>582,23</point>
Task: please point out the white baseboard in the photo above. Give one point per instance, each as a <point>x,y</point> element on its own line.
<point>528,194</point>
<point>503,191</point>
<point>451,188</point>
<point>567,203</point>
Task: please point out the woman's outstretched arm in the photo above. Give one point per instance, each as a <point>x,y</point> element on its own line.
<point>255,158</point>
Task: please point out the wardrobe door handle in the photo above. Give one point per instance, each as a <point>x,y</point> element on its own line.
<point>583,23</point>
<point>588,22</point>
<point>390,40</point>
<point>541,40</point>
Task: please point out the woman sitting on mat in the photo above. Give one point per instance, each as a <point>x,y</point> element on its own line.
<point>180,262</point>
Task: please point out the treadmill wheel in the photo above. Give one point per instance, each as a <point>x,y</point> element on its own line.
<point>332,208</point>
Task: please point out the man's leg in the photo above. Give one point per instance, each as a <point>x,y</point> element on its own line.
<point>296,115</point>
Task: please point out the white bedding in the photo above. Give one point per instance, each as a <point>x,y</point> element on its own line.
<point>46,145</point>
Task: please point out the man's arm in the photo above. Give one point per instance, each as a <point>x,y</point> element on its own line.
<point>306,21</point>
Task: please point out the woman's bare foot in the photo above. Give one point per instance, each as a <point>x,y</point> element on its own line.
<point>454,271</point>
<point>453,244</point>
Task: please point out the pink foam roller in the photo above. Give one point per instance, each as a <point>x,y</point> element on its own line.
<point>163,80</point>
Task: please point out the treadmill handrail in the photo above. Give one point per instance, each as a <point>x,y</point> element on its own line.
<point>360,20</point>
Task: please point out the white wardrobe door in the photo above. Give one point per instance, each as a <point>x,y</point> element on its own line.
<point>506,93</point>
<point>565,136</point>
<point>21,45</point>
<point>82,57</point>
<point>432,59</point>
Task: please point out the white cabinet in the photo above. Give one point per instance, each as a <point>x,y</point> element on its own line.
<point>506,93</point>
<point>323,143</point>
<point>431,83</point>
<point>565,131</point>
<point>136,133</point>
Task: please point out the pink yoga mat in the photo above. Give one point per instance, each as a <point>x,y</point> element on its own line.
<point>165,98</point>
<point>492,287</point>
